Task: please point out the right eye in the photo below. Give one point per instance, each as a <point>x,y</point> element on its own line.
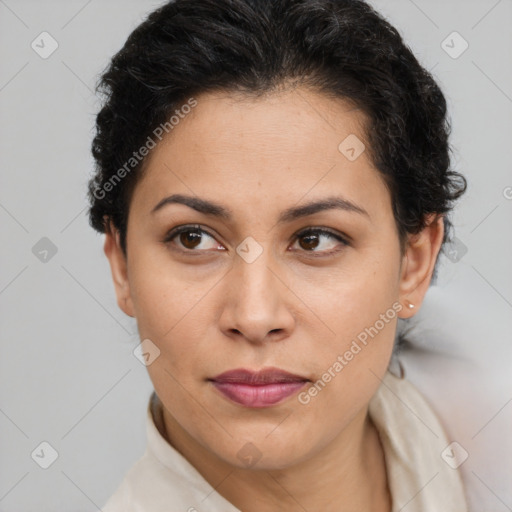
<point>191,239</point>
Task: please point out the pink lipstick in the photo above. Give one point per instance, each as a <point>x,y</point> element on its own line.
<point>258,388</point>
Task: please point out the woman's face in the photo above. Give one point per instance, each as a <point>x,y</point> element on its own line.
<point>255,283</point>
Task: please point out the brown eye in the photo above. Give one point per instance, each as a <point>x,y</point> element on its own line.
<point>309,242</point>
<point>191,239</point>
<point>312,239</point>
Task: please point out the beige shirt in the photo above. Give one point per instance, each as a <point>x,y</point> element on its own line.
<point>420,464</point>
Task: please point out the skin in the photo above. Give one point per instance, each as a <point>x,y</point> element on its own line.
<point>212,311</point>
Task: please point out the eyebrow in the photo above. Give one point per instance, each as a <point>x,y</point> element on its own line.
<point>216,210</point>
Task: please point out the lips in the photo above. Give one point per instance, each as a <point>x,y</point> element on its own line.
<point>258,389</point>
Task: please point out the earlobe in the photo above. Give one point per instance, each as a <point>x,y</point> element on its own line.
<point>119,270</point>
<point>418,264</point>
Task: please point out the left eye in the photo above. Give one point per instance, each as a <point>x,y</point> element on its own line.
<point>195,239</point>
<point>311,239</point>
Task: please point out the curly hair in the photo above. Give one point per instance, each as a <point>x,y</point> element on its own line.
<point>341,48</point>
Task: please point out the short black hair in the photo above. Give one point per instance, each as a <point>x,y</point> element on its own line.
<point>341,48</point>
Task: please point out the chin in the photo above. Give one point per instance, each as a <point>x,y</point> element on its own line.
<point>261,453</point>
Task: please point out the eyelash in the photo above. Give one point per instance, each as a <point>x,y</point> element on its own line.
<point>305,232</point>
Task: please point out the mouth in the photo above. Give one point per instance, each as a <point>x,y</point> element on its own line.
<point>258,388</point>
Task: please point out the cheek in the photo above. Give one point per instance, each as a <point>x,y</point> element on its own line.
<point>173,309</point>
<point>350,365</point>
<point>360,307</point>
<point>162,294</point>
<point>352,296</point>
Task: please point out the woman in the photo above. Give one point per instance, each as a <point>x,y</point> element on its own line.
<point>273,179</point>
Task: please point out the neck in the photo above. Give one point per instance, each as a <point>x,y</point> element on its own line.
<point>348,475</point>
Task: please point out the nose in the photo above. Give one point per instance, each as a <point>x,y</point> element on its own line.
<point>256,303</point>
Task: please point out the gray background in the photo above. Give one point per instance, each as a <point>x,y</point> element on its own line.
<point>68,375</point>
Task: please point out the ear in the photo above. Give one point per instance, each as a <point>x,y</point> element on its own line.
<point>418,264</point>
<point>118,267</point>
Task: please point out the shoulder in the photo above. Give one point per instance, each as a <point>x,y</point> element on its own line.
<point>421,472</point>
<point>163,478</point>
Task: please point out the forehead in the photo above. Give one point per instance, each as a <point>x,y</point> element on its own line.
<point>284,123</point>
<point>283,146</point>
